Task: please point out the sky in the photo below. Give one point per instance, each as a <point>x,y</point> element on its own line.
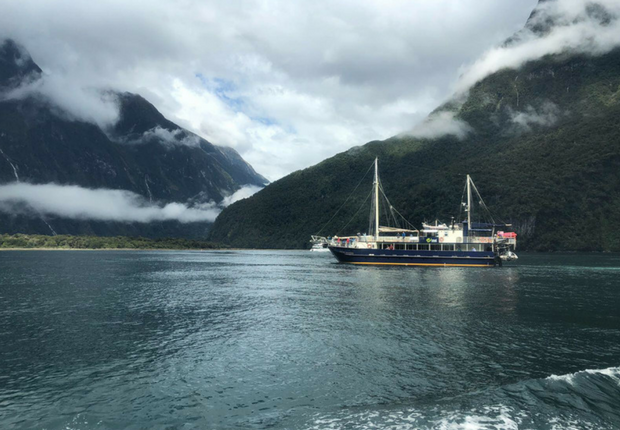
<point>285,83</point>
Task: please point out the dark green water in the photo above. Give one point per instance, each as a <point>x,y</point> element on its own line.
<point>227,340</point>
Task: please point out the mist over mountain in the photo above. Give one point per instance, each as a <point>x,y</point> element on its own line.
<point>117,166</point>
<point>534,121</point>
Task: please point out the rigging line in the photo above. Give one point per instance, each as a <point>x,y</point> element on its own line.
<point>387,204</point>
<point>405,219</point>
<point>396,220</point>
<point>347,199</point>
<point>393,209</point>
<point>484,206</point>
<point>386,214</point>
<point>359,209</point>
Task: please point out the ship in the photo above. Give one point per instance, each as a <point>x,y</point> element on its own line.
<point>319,244</point>
<point>465,243</point>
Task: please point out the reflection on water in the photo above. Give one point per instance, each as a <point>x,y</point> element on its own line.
<point>261,339</point>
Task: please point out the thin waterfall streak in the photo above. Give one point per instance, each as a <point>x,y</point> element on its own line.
<point>12,165</point>
<point>53,231</point>
<point>148,189</point>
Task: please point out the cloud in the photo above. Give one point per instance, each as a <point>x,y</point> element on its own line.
<point>243,193</point>
<point>578,27</point>
<point>73,202</point>
<point>168,137</point>
<point>75,102</point>
<point>286,84</point>
<point>441,124</point>
<point>547,115</point>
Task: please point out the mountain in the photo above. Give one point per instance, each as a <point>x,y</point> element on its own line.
<point>541,141</point>
<point>143,153</point>
<point>16,66</point>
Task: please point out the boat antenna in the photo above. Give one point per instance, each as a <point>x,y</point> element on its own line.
<point>376,184</point>
<point>468,203</point>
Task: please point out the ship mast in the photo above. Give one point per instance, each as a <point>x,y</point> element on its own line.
<point>468,205</point>
<point>376,185</point>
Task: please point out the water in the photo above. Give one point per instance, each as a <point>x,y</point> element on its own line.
<point>292,340</point>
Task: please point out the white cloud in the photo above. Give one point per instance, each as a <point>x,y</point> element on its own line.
<point>73,202</point>
<point>575,30</point>
<point>285,83</point>
<point>243,193</point>
<point>547,115</point>
<point>441,124</point>
<point>81,102</point>
<point>169,137</point>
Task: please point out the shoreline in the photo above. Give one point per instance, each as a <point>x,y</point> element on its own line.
<point>145,249</point>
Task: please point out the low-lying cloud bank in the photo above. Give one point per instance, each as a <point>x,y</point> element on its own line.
<point>74,202</point>
<point>575,26</point>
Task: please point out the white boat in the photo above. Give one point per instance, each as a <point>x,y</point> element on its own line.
<point>319,244</point>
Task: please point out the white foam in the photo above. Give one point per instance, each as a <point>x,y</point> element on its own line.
<point>493,417</point>
<point>612,372</point>
<point>497,417</point>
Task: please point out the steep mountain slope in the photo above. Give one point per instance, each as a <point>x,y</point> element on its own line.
<point>543,147</point>
<point>16,66</point>
<point>143,153</point>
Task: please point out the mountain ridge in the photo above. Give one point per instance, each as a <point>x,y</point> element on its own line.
<point>542,148</point>
<point>143,153</point>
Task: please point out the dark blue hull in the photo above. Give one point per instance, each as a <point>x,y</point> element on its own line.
<point>415,258</point>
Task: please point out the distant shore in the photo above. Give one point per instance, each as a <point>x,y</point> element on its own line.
<point>22,242</point>
<point>148,249</point>
<point>110,249</point>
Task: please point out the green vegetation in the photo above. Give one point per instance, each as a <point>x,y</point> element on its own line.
<point>544,152</point>
<point>31,241</point>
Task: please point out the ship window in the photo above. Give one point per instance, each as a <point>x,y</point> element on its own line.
<point>400,246</point>
<point>448,247</point>
<point>412,247</point>
<point>423,247</point>
<point>435,247</point>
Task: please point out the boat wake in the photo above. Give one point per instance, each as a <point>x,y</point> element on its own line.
<point>588,399</point>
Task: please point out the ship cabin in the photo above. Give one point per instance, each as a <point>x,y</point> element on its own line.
<point>434,237</point>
